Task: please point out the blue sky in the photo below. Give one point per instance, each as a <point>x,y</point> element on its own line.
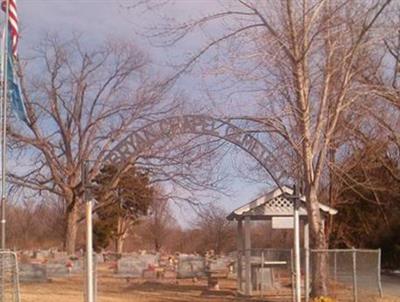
<point>95,18</point>
<point>100,19</point>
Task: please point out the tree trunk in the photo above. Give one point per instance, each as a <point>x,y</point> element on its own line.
<point>122,233</point>
<point>157,245</point>
<point>319,259</point>
<point>71,228</point>
<point>119,244</point>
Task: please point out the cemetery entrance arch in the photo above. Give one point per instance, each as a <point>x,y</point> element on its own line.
<point>125,152</point>
<point>138,142</point>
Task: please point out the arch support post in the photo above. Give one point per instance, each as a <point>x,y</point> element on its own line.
<point>89,274</point>
<point>296,244</point>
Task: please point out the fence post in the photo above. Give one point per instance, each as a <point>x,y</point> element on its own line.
<point>355,298</point>
<point>379,273</point>
<point>335,267</point>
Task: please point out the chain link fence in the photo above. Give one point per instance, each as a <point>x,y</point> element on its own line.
<point>9,281</point>
<point>354,274</point>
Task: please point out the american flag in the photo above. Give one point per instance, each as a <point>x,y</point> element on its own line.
<point>12,23</point>
<point>14,91</point>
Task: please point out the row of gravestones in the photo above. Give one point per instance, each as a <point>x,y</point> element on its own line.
<point>133,265</point>
<point>187,266</point>
<point>42,254</point>
<point>53,268</point>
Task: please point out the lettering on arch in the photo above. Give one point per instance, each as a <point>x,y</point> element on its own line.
<point>138,141</point>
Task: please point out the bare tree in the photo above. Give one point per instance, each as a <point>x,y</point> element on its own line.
<point>302,61</point>
<point>35,223</point>
<point>215,231</point>
<point>383,80</point>
<point>158,226</point>
<point>80,100</point>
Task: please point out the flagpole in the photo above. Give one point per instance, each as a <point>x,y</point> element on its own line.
<point>4,130</point>
<point>3,39</point>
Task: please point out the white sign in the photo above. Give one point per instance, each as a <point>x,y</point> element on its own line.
<point>282,223</point>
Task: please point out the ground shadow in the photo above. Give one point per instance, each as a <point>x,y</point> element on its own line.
<point>193,292</point>
<point>151,286</point>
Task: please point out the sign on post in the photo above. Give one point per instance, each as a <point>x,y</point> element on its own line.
<point>282,223</point>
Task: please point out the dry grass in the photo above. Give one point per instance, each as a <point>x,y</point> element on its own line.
<point>112,289</point>
<point>119,290</point>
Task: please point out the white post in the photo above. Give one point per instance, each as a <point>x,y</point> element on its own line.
<point>89,236</point>
<point>89,253</point>
<point>307,260</point>
<point>247,253</point>
<point>297,247</point>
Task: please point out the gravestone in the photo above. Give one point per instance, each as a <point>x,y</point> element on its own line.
<point>76,265</point>
<point>58,254</point>
<point>40,255</point>
<point>191,266</point>
<point>220,264</point>
<point>57,270</point>
<point>111,257</point>
<point>63,266</point>
<point>134,265</point>
<point>99,258</point>
<point>31,272</point>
